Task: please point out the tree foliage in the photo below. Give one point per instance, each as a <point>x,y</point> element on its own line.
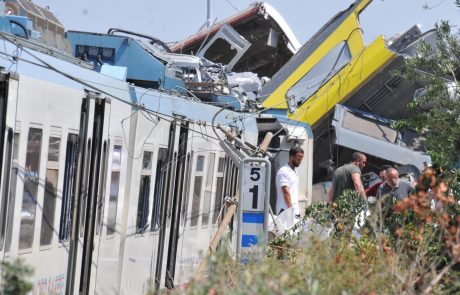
<point>14,278</point>
<point>437,110</point>
<point>414,249</point>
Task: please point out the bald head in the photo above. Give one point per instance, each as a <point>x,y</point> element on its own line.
<point>392,177</point>
<point>359,159</point>
<point>358,156</point>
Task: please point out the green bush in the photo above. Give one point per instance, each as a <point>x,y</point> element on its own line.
<point>414,255</point>
<point>14,278</point>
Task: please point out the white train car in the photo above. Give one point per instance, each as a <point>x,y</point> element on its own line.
<point>108,188</point>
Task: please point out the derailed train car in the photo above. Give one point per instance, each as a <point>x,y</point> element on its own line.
<point>336,67</point>
<point>111,177</point>
<point>268,39</point>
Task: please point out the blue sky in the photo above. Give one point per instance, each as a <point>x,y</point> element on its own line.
<point>173,20</point>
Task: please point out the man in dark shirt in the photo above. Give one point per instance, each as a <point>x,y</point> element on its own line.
<point>348,177</point>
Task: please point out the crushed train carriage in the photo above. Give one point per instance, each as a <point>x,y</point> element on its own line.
<point>336,67</point>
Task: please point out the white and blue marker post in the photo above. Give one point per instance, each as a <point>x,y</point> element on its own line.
<point>253,205</point>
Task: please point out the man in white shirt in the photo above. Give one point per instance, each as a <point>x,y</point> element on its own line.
<point>287,182</point>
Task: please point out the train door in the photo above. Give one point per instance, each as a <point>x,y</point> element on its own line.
<point>171,204</point>
<point>90,177</point>
<point>7,117</point>
<point>177,200</point>
<point>96,194</point>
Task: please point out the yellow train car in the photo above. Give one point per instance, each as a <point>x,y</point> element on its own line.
<point>336,67</point>
<point>331,67</point>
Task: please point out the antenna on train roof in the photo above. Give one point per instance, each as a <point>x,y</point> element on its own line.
<point>209,14</point>
<point>208,22</point>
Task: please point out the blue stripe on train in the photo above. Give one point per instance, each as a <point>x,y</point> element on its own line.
<point>253,217</point>
<point>249,240</point>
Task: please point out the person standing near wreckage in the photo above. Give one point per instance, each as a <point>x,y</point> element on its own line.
<point>287,183</point>
<point>372,191</point>
<point>394,187</point>
<point>348,176</point>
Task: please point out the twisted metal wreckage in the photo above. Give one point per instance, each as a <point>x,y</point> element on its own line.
<point>211,116</point>
<point>346,90</point>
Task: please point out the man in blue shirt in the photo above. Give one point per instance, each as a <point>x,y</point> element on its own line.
<point>394,187</point>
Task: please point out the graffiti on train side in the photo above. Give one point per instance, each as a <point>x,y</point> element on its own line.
<point>187,267</point>
<point>50,285</point>
<point>193,260</point>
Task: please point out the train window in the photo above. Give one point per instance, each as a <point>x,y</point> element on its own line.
<point>15,146</point>
<point>102,186</point>
<point>147,161</point>
<point>70,170</point>
<point>199,163</point>
<point>173,185</point>
<point>143,203</point>
<point>318,75</point>
<point>220,165</point>
<point>235,180</point>
<point>144,192</point>
<point>196,199</point>
<point>114,188</point>
<point>208,190</point>
<point>113,202</point>
<point>4,195</point>
<point>219,188</point>
<point>12,193</point>
<point>187,188</point>
<point>214,52</point>
<point>229,177</point>
<point>84,185</point>
<point>49,204</point>
<point>369,127</point>
<point>51,183</point>
<point>31,182</point>
<point>53,150</point>
<point>226,175</point>
<point>159,186</point>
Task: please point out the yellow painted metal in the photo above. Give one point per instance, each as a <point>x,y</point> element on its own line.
<point>364,64</point>
<point>361,6</point>
<point>360,70</point>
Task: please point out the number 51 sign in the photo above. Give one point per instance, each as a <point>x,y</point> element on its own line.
<point>254,198</point>
<point>254,188</point>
